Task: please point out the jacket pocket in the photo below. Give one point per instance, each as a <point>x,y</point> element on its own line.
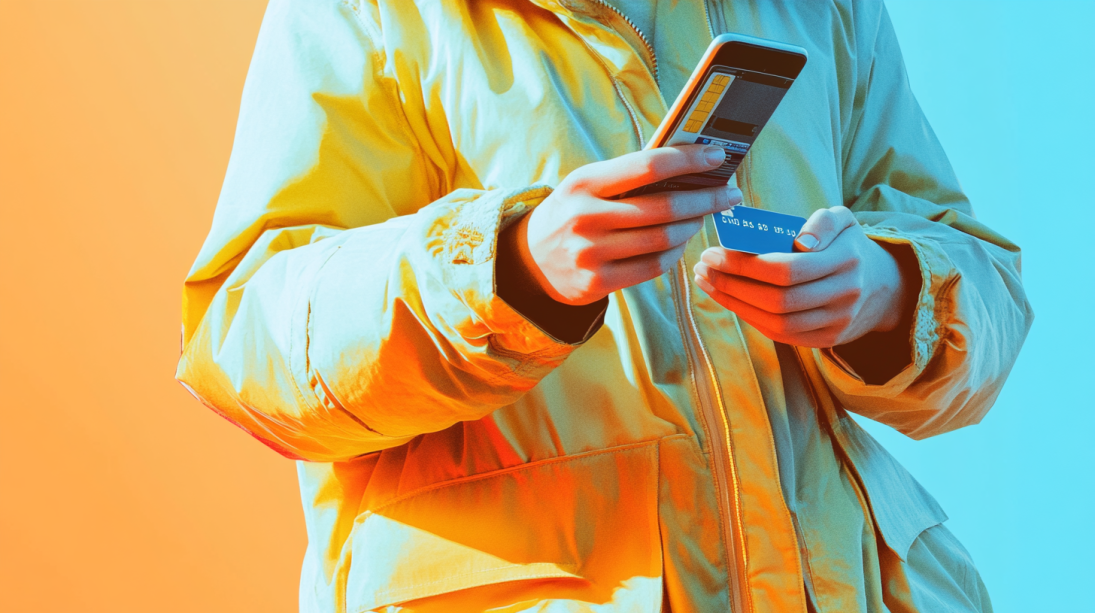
<point>902,508</point>
<point>577,529</point>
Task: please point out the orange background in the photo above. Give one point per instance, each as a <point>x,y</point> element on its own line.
<point>118,491</point>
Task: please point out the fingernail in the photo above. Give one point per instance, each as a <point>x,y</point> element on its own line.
<point>807,241</point>
<point>735,195</point>
<point>701,269</point>
<point>714,155</point>
<point>712,258</point>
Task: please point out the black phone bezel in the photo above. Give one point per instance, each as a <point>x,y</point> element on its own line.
<point>747,56</point>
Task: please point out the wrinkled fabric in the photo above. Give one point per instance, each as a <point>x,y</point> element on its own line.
<point>451,455</point>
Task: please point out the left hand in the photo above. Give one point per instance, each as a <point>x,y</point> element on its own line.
<point>838,286</point>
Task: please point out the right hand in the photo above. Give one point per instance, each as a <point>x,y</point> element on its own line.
<point>580,245</point>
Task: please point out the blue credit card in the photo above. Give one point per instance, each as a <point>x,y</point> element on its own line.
<point>744,228</point>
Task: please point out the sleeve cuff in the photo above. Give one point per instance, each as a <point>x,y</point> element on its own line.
<point>468,246</point>
<point>931,313</point>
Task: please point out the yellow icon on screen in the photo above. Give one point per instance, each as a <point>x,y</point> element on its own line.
<point>706,103</point>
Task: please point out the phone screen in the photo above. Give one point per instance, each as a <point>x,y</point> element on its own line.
<point>731,107</point>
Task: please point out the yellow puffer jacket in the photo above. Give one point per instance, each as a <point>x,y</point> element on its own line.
<point>454,457</point>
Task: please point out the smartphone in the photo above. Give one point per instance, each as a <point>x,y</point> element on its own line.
<point>729,98</point>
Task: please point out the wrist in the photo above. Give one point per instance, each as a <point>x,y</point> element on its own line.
<point>903,288</point>
<point>521,284</point>
<point>515,239</point>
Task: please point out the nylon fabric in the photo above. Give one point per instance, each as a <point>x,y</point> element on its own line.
<point>453,456</point>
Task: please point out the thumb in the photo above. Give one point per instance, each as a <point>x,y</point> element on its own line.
<point>822,228</point>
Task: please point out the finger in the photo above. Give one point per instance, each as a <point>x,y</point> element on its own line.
<point>781,324</point>
<point>784,269</point>
<point>665,207</point>
<point>631,242</point>
<point>627,172</point>
<point>822,228</point>
<point>820,338</point>
<point>834,290</point>
<point>635,270</point>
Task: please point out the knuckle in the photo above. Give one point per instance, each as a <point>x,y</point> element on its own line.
<point>781,325</point>
<point>580,223</point>
<point>848,272</point>
<point>578,182</point>
<point>594,285</point>
<point>649,240</point>
<point>584,259</point>
<point>676,205</point>
<point>792,324</point>
<point>582,253</point>
<point>784,302</point>
<point>721,282</point>
<point>725,284</point>
<point>649,166</point>
<point>653,268</point>
<point>718,197</point>
<point>663,239</point>
<point>732,264</point>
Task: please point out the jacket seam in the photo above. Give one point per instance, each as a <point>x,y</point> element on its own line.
<point>771,447</point>
<point>527,363</point>
<point>387,594</point>
<point>519,468</point>
<point>708,432</point>
<point>849,135</point>
<point>307,306</point>
<point>318,379</point>
<point>385,82</point>
<point>804,555</point>
<point>658,515</point>
<point>619,91</point>
<point>830,421</point>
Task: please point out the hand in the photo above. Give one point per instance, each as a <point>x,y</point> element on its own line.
<point>839,287</point>
<point>579,245</point>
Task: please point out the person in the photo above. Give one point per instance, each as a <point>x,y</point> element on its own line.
<point>508,390</point>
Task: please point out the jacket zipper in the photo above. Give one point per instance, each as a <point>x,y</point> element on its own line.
<point>715,416</point>
<point>646,41</point>
<point>712,15</point>
<point>718,427</point>
<point>707,390</point>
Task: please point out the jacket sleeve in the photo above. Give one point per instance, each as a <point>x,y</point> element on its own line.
<point>972,314</point>
<point>339,305</point>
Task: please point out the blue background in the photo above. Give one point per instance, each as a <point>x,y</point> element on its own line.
<point>1009,88</point>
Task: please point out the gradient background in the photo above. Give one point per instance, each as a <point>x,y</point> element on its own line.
<point>120,493</point>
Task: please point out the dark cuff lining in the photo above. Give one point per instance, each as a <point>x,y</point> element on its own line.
<point>567,323</point>
<point>878,357</point>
